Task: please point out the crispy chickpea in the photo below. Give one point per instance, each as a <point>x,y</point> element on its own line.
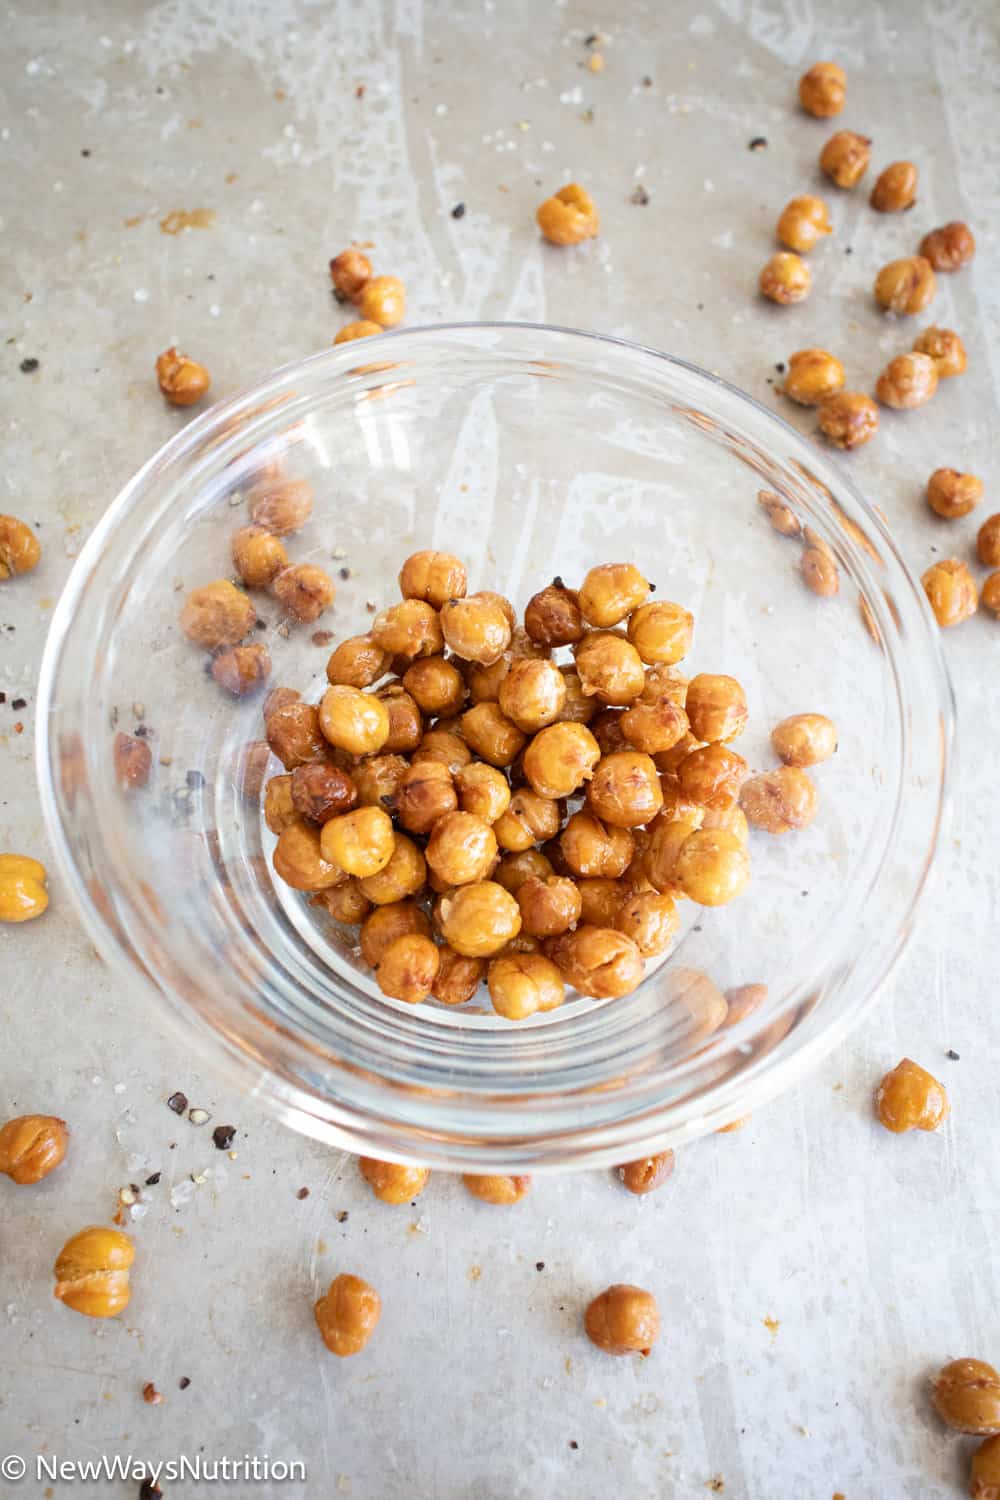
<point>250,770</point>
<point>382,300</point>
<point>625,789</point>
<point>951,591</point>
<point>813,374</point>
<point>676,802</point>
<point>610,593</point>
<point>785,279</point>
<point>895,189</point>
<point>647,1173</point>
<point>521,984</point>
<point>31,1147</point>
<point>361,328</point>
<point>403,876</point>
<point>659,862</point>
<point>349,271</point>
<point>950,247</point>
<point>845,158</point>
<point>378,779</point>
<point>445,746</point>
<point>560,758</point>
<point>532,693</point>
<point>601,900</point>
<point>552,616</point>
<point>594,849</point>
<point>217,615</point>
<point>406,725</point>
<point>476,628</point>
<point>952,494</point>
<point>966,1392</point>
<point>412,628</point>
<point>650,919</point>
<point>499,1190</point>
<point>458,977</point>
<point>823,89</point>
<point>20,549</point>
<point>515,868</point>
<point>781,516</point>
<point>182,380</point>
<point>909,1098</point>
<point>530,819</point>
<point>278,697</point>
<point>624,1319</point>
<point>434,577</point>
<point>282,508</point>
<point>579,708</point>
<point>654,727</point>
<point>945,348</point>
<point>803,222</point>
<point>819,572</point>
<point>548,907</point>
<point>984,1473</point>
<point>730,820</point>
<point>242,669</point>
<point>408,968</point>
<point>300,861</point>
<point>482,790</point>
<point>477,920</point>
<point>908,380</point>
<point>462,849</point>
<point>353,721</point>
<point>568,217</point>
<point>426,793</point>
<point>597,961</point>
<point>606,727</point>
<point>905,286</point>
<point>258,556</point>
<point>712,776</point>
<point>92,1271</point>
<point>712,867</point>
<point>805,739</point>
<point>501,600</point>
<point>699,1003</point>
<point>133,760</point>
<point>991,594</point>
<point>491,734</point>
<point>280,811</point>
<point>357,662</point>
<point>319,791</point>
<point>346,1317</point>
<point>609,668</point>
<point>436,685</point>
<point>779,801</point>
<point>661,632</point>
<point>743,1000</point>
<point>361,842</point>
<point>386,923</point>
<point>716,707</point>
<point>483,683</point>
<point>344,903</point>
<point>391,1182</point>
<point>848,419</point>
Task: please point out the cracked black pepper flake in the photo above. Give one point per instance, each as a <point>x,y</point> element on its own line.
<point>3,697</point>
<point>640,197</point>
<point>591,40</point>
<point>952,1054</point>
<point>19,703</point>
<point>178,1103</point>
<point>153,1179</point>
<point>85,152</point>
<point>223,1136</point>
<point>259,624</point>
<point>458,212</point>
<point>345,573</point>
<point>539,1265</point>
<point>647,82</point>
<point>28,366</point>
<point>303,1192</point>
<point>184,1382</point>
<point>343,1216</point>
<point>759,143</point>
<point>780,367</point>
<point>574,1444</point>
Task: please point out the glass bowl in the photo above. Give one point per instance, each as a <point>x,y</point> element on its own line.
<point>530,451</point>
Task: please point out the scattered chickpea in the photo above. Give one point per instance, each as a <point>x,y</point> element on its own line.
<point>347,1316</point>
<point>361,328</point>
<point>258,556</point>
<point>294,734</point>
<point>785,279</point>
<point>92,1272</point>
<point>716,706</point>
<point>476,628</point>
<point>625,789</point>
<point>391,1182</point>
<point>647,1173</point>
<point>823,89</point>
<point>403,876</point>
<point>532,693</point>
<point>984,1472</point>
<point>434,577</point>
<point>569,216</point>
<point>712,776</point>
<point>482,790</point>
<point>344,903</point>
<point>552,617</point>
<point>803,223</point>
<point>597,961</point>
<point>781,516</point>
<point>813,375</point>
<point>133,760</point>
<point>182,380</point>
<point>694,992</point>
<point>779,801</point>
<point>609,667</point>
<point>382,300</point>
<point>610,593</point>
<point>304,591</point>
<point>712,867</point>
<point>945,348</point>
<point>988,542</point>
<point>951,494</point>
<point>458,977</point>
<point>22,888</point>
<point>278,697</point>
<point>951,591</point>
<point>217,615</point>
<point>522,984</point>
<point>805,739</point>
<point>353,721</point>
<point>362,842</point>
<point>650,919</point>
<point>408,968</point>
<point>848,419</point>
<point>895,189</point>
<point>282,508</point>
<point>966,1393</point>
<point>905,286</point>
<point>280,811</point>
<point>349,272</point>
<point>498,1190</point>
<point>908,380</point>
<point>20,549</point>
<point>819,572</point>
<point>31,1147</point>
<point>845,158</point>
<point>477,920</point>
<point>991,594</point>
<point>299,859</point>
<point>242,669</point>
<point>623,1320</point>
<point>909,1098</point>
<point>950,247</point>
<point>357,662</point>
<point>743,1001</point>
<point>560,758</point>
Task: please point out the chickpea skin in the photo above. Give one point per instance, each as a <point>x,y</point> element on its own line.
<point>361,328</point>
<point>282,508</point>
<point>647,1173</point>
<point>780,516</point>
<point>984,1473</point>
<point>803,223</point>
<point>779,801</point>
<point>349,271</point>
<point>623,1320</point>
<point>133,759</point>
<point>609,668</point>
<point>476,628</point>
<point>299,859</point>
<point>217,615</point>
<point>905,286</point>
<point>347,1316</point>
<point>242,670</point>
<point>478,920</point>
<point>408,968</point>
<point>353,721</point>
<point>403,876</point>
<point>92,1272</point>
<point>813,375</point>
<point>597,961</point>
<point>491,734</point>
<point>845,158</point>
<point>294,734</point>
<point>805,739</point>
<point>895,189</point>
<point>532,694</point>
<point>848,419</point>
<point>569,216</point>
<point>521,984</point>
<point>716,707</point>
<point>391,1182</point>
<point>382,300</point>
<point>20,549</point>
<point>258,556</point>
<point>183,381</point>
<point>361,842</point>
<point>823,89</point>
<point>966,1396</point>
<point>909,1098</point>
<point>951,494</point>
<point>482,790</point>
<point>434,577</point>
<point>951,591</point>
<point>650,919</point>
<point>712,867</point>
<point>610,593</point>
<point>950,247</point>
<point>502,1191</point>
<point>560,758</point>
<point>552,617</point>
<point>548,907</point>
<point>907,381</point>
<point>945,348</point>
<point>785,279</point>
<point>385,924</point>
<point>436,685</point>
<point>988,542</point>
<point>31,1147</point>
<point>412,628</point>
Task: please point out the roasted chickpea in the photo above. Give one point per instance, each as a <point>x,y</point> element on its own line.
<point>667,838</point>
<point>462,849</point>
<point>412,628</point>
<point>361,328</point>
<point>647,1173</point>
<point>361,842</point>
<point>300,861</point>
<point>984,1473</point>
<point>560,758</point>
<point>133,760</point>
<point>548,907</point>
<point>952,494</point>
<point>805,739</point>
<point>280,811</point>
<point>803,223</point>
<point>426,794</point>
<point>552,616</point>
<point>945,348</point>
<point>31,1147</point>
<point>579,708</point>
<point>433,576</point>
<point>357,662</point>
<point>491,734</point>
<point>569,216</point>
<point>908,380</point>
<point>498,1190</point>
<point>258,556</point>
<point>823,89</point>
<point>609,667</point>
<point>319,791</point>
<point>382,300</point>
<point>477,920</point>
<point>344,903</point>
<point>676,803</point>
<point>597,961</point>
<point>610,593</point>
<point>20,549</point>
<point>650,919</point>
<point>743,1000</point>
<point>601,900</point>
<point>625,790</point>
<point>304,591</point>
<point>242,669</point>
<point>950,247</point>
<point>182,380</point>
<point>408,968</point>
<point>445,746</point>
<point>378,779</point>
<point>712,867</point>
<point>385,924</point>
<point>436,685</point>
<point>514,869</point>
<point>458,977</point>
<point>731,820</point>
<point>483,683</point>
<point>909,1098</point>
<point>966,1392</point>
<point>346,1317</point>
<point>813,374</point>
<point>781,516</point>
<point>476,628</point>
<point>716,707</point>
<point>990,596</point>
<point>845,158</point>
<point>282,508</point>
<point>905,286</point>
<point>661,632</point>
<point>353,721</point>
<point>532,693</point>
<point>406,725</point>
<point>848,419</point>
<point>785,279</point>
<point>712,776</point>
<point>895,189</point>
<point>392,1182</point>
<point>250,770</point>
<point>279,697</point>
<point>530,819</point>
<point>778,801</point>
<point>988,542</point>
<point>349,271</point>
<point>654,727</point>
<point>819,572</point>
<point>403,876</point>
<point>482,790</point>
<point>521,984</point>
<point>699,1003</point>
<point>951,591</point>
<point>624,1319</point>
<point>92,1272</point>
<point>217,615</point>
<point>606,727</point>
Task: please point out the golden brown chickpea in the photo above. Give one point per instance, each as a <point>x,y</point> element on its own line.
<point>300,861</point>
<point>361,842</point>
<point>950,247</point>
<point>569,216</point>
<point>560,758</point>
<point>991,594</point>
<point>303,591</point>
<point>378,779</point>
<point>182,380</point>
<point>426,793</point>
<point>242,670</point>
<point>357,662</point>
<point>530,819</point>
<point>22,888</point>
<point>743,1000</point>
<point>845,158</point>
<point>352,720</point>
<point>552,616</point>
<point>712,867</point>
<point>482,790</point>
<point>20,549</point>
<point>282,508</point>
<point>701,1004</point>
<point>813,374</point>
<point>133,760</point>
<point>514,869</point>
<point>951,591</point>
<point>625,790</point>
<point>895,188</point>
<point>848,419</point>
<point>647,1173</point>
<point>477,920</point>
<point>521,984</point>
<point>785,279</point>
<point>392,1183</point>
<point>433,576</point>
<point>966,1392</point>
<point>823,89</point>
<point>579,708</point>
<point>476,628</point>
<point>406,725</point>
<point>548,907</point>
<point>781,516</point>
<point>499,1190</point>
<point>217,615</point>
<point>491,734</point>
<point>484,682</point>
<point>347,1315</point>
<point>458,977</point>
<point>623,1319</point>
<point>386,923</point>
<point>730,820</point>
<point>654,727</point>
<point>610,593</point>
<point>279,697</point>
<point>597,961</point>
<point>676,804</point>
<point>403,876</point>
<point>805,739</point>
<point>436,685</point>
<point>819,572</point>
<point>462,849</point>
<point>952,494</point>
<point>382,300</point>
<point>712,776</point>
<point>803,223</point>
<point>349,271</point>
<point>445,746</point>
<point>606,727</point>
<point>650,919</point>
<point>92,1271</point>
<point>258,556</point>
<point>532,693</point>
<point>905,286</point>
<point>984,1473</point>
<point>908,380</point>
<point>319,791</point>
<point>410,629</point>
<point>361,328</point>
<point>31,1147</point>
<point>945,348</point>
<point>779,801</point>
<point>609,668</point>
<point>344,903</point>
<point>716,706</point>
<point>659,863</point>
<point>909,1098</point>
<point>408,968</point>
<point>661,632</point>
<point>280,811</point>
<point>595,849</point>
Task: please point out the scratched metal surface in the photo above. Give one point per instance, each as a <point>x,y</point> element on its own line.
<point>301,126</point>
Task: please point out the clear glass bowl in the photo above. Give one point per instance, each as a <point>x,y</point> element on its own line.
<point>530,451</point>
